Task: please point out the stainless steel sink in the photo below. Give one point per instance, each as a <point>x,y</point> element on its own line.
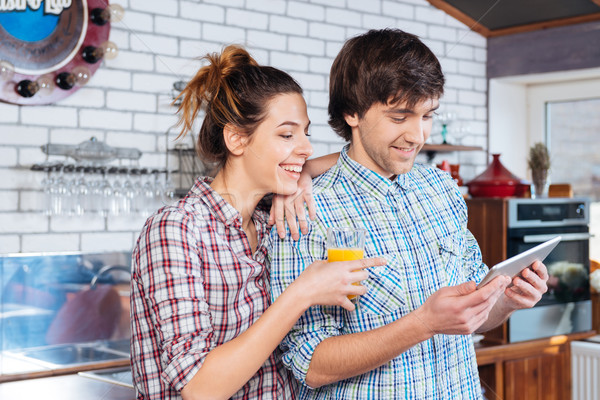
<point>121,346</point>
<point>117,376</point>
<point>71,354</point>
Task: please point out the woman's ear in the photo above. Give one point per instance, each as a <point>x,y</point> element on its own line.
<point>234,140</point>
<point>351,120</point>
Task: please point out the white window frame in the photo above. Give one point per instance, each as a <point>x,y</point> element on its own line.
<point>516,109</point>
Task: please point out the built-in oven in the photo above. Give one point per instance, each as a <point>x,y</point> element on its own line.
<point>566,307</point>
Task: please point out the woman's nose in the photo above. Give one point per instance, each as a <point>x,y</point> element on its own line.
<point>305,148</point>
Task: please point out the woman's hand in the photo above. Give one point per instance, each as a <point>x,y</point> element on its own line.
<point>330,283</point>
<point>291,207</point>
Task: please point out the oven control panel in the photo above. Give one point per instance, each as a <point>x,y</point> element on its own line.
<point>547,212</point>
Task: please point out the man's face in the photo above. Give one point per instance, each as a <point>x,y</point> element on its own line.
<point>388,137</point>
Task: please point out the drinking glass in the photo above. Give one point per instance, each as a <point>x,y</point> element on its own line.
<point>80,192</point>
<point>345,244</point>
<point>60,192</point>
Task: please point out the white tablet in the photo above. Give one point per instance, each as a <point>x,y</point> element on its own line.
<point>514,265</point>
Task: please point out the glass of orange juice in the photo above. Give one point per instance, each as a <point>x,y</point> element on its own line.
<point>345,244</point>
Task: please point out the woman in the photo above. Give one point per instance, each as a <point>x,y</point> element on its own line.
<point>202,325</point>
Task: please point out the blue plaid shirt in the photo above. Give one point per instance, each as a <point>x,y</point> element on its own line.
<point>418,222</point>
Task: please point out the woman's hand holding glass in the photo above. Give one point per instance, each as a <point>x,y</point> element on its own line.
<point>331,283</point>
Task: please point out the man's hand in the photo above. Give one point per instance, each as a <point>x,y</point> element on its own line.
<point>460,310</point>
<point>288,208</point>
<point>527,288</point>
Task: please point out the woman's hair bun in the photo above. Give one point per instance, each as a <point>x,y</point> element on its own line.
<point>233,89</point>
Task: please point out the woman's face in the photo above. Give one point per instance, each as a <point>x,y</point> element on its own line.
<point>276,152</point>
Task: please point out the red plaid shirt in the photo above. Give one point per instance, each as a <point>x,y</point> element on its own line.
<point>196,285</point>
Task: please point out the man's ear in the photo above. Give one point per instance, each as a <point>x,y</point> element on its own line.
<point>235,140</point>
<point>351,120</point>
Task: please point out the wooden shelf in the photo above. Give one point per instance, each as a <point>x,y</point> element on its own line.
<point>431,149</point>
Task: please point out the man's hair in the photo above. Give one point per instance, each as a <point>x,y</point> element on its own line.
<point>385,66</point>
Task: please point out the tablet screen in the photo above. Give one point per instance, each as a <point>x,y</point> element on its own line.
<point>514,265</point>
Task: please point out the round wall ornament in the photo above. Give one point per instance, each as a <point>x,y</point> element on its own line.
<point>50,48</point>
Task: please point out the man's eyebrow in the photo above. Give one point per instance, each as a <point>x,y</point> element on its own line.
<point>399,111</point>
<point>407,110</point>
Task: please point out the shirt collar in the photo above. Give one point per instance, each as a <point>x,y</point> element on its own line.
<point>221,209</point>
<point>217,206</point>
<point>371,181</point>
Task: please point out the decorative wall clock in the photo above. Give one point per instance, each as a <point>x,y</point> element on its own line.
<point>50,48</point>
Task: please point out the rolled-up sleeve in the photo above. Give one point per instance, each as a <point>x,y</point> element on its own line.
<point>287,259</point>
<point>170,279</point>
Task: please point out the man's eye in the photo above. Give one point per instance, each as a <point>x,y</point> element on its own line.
<point>398,120</point>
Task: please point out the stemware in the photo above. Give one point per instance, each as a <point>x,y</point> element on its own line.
<point>445,119</point>
<point>128,191</point>
<point>106,191</point>
<point>80,192</point>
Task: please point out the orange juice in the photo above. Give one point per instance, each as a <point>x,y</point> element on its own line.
<point>345,254</point>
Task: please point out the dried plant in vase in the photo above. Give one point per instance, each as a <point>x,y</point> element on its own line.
<point>539,163</point>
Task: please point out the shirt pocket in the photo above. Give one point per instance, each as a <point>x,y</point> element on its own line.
<point>451,259</point>
<point>386,292</point>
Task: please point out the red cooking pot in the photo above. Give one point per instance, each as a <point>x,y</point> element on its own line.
<point>497,181</point>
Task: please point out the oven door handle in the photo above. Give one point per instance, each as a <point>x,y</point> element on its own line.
<point>566,237</point>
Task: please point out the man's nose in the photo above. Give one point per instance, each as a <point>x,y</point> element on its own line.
<point>415,132</point>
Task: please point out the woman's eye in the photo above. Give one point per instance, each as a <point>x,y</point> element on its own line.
<point>286,135</point>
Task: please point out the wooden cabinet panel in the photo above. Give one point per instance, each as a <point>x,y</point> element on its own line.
<point>488,223</point>
<point>538,378</point>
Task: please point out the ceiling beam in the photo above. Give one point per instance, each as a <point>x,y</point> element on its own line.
<point>462,17</point>
<point>479,28</point>
<point>546,24</point>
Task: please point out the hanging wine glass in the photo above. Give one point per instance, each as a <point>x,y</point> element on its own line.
<point>128,191</point>
<point>168,189</point>
<point>59,193</point>
<point>116,205</point>
<point>107,193</point>
<point>80,192</point>
<point>47,188</point>
<point>149,202</point>
<point>137,203</point>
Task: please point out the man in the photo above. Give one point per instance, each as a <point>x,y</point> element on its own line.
<point>409,334</point>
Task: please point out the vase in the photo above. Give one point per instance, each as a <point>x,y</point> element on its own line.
<point>497,181</point>
<point>540,183</point>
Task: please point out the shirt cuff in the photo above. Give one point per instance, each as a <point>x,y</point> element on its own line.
<point>300,350</point>
<point>180,370</point>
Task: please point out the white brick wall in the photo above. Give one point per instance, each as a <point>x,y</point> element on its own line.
<point>126,101</point>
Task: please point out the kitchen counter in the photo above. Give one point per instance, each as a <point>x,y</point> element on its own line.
<point>534,369</point>
<point>66,387</point>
